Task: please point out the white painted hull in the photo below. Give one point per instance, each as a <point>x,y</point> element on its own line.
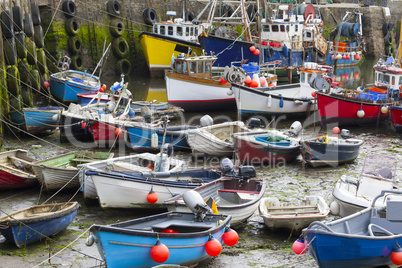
<point>53,178</point>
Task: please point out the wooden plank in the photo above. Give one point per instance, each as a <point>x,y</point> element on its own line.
<point>293,207</point>
<point>294,212</point>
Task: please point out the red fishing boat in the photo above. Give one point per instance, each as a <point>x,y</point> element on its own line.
<point>396,118</point>
<point>107,134</point>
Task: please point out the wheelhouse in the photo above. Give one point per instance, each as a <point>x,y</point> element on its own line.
<point>195,66</point>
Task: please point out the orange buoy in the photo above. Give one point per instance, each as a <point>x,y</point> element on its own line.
<point>252,48</point>
<point>313,94</point>
<point>213,247</point>
<point>159,252</point>
<point>357,57</point>
<point>230,237</point>
<point>117,131</point>
<point>253,83</point>
<point>256,52</point>
<point>152,197</point>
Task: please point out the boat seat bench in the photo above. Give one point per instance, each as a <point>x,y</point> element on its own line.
<point>237,191</point>
<point>291,207</point>
<point>293,212</point>
<point>182,225</point>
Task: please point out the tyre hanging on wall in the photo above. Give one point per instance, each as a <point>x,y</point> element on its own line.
<point>15,103</point>
<point>123,66</point>
<point>13,80</point>
<point>74,44</point>
<point>20,43</point>
<point>18,19</point>
<point>77,63</point>
<point>113,8</point>
<point>39,42</point>
<point>116,28</point>
<point>69,8</point>
<point>72,26</point>
<point>120,47</point>
<point>35,14</point>
<point>10,54</point>
<point>23,69</point>
<point>31,52</point>
<point>27,97</point>
<point>41,60</point>
<point>150,16</point>
<point>28,25</point>
<point>35,80</point>
<point>7,24</point>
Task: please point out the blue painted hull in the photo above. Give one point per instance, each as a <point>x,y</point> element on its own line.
<point>131,247</point>
<point>36,120</point>
<point>140,137</point>
<point>343,62</point>
<point>67,90</point>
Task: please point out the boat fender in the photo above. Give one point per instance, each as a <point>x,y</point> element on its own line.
<point>10,51</point>
<point>13,80</point>
<point>56,118</point>
<point>77,63</point>
<point>113,8</point>
<point>41,59</point>
<point>38,37</point>
<point>20,45</point>
<point>269,102</point>
<point>281,101</point>
<point>213,247</point>
<point>154,140</point>
<point>295,128</point>
<point>35,79</point>
<point>116,28</point>
<point>150,16</point>
<point>69,8</point>
<point>90,240</point>
<point>334,208</point>
<point>72,26</point>
<point>35,13</point>
<point>360,113</point>
<point>159,252</point>
<point>18,19</point>
<point>120,47</point>
<point>123,66</point>
<point>31,55</point>
<point>206,120</point>
<point>285,51</point>
<point>195,202</point>
<point>28,25</point>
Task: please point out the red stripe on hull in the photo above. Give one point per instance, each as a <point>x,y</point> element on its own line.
<point>105,134</point>
<point>10,181</point>
<point>250,153</point>
<point>396,118</point>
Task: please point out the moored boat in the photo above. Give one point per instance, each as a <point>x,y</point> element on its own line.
<point>16,170</point>
<point>396,117</point>
<point>36,120</point>
<point>37,222</point>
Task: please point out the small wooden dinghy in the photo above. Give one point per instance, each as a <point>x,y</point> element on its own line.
<point>37,222</point>
<point>293,215</point>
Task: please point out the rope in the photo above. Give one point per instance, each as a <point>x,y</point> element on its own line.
<point>54,15</point>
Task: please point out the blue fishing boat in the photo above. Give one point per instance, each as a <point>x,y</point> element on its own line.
<point>168,238</point>
<point>37,222</point>
<point>36,120</point>
<point>65,85</point>
<point>369,238</point>
<point>144,137</point>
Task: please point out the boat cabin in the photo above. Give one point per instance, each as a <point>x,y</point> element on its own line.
<point>200,66</point>
<point>389,77</point>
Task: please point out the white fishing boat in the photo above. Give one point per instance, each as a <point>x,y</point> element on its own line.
<point>351,194</point>
<point>294,215</point>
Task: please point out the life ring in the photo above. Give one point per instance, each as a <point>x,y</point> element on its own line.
<point>27,97</point>
<point>20,45</point>
<point>123,66</point>
<point>28,25</point>
<point>116,28</point>
<point>74,44</point>
<point>69,8</point>
<point>13,80</point>
<point>120,47</point>
<point>35,13</point>
<point>41,59</point>
<point>38,37</point>
<point>72,26</point>
<point>189,16</point>
<point>7,24</point>
<point>150,16</point>
<point>18,19</point>
<point>35,80</point>
<point>113,8</point>
<point>31,55</point>
<point>77,63</point>
<point>10,54</point>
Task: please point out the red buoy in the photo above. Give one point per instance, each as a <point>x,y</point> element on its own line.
<point>313,94</point>
<point>223,81</point>
<point>357,57</point>
<point>46,84</point>
<point>347,57</point>
<point>396,255</point>
<point>83,125</point>
<point>248,79</point>
<point>117,131</point>
<point>343,57</point>
<point>252,48</point>
<point>336,130</point>
<point>159,252</point>
<point>299,246</point>
<point>332,57</point>
<point>256,52</point>
<point>213,247</point>
<point>230,237</point>
<point>152,197</point>
<point>253,83</point>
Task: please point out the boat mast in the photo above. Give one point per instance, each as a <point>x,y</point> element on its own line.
<point>244,14</point>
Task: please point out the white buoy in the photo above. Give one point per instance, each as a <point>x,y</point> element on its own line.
<point>154,140</point>
<point>257,79</point>
<point>360,113</point>
<point>269,102</point>
<point>55,117</point>
<point>339,57</point>
<point>384,109</point>
<point>229,92</point>
<point>334,208</point>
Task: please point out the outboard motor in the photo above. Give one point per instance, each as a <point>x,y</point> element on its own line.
<point>345,134</point>
<point>196,204</point>
<point>162,161</point>
<point>254,123</point>
<point>247,172</point>
<point>295,129</point>
<point>227,167</point>
<point>206,120</point>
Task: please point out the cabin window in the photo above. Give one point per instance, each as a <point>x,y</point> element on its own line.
<point>155,29</point>
<point>282,28</point>
<point>191,31</point>
<point>200,67</point>
<point>184,67</point>
<point>393,80</point>
<point>308,78</point>
<point>400,80</point>
<point>162,30</point>
<point>179,31</point>
<point>275,28</point>
<point>265,28</point>
<point>383,78</point>
<point>308,35</point>
<point>296,27</point>
<point>196,31</point>
<point>287,28</point>
<point>207,67</point>
<point>193,67</point>
<point>170,30</point>
<point>302,78</point>
<point>178,66</point>
<point>187,31</point>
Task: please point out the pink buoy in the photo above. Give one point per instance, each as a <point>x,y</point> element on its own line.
<point>336,130</point>
<point>46,84</point>
<point>313,94</point>
<point>248,79</point>
<point>262,81</point>
<point>332,57</point>
<point>299,246</point>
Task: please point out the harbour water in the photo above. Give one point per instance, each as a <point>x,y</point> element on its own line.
<point>257,247</point>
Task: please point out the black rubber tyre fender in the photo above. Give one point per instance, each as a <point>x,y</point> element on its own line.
<point>15,103</point>
<point>31,49</point>
<point>189,16</point>
<point>35,80</point>
<point>13,80</point>
<point>123,66</point>
<point>7,24</point>
<point>10,54</point>
<point>77,63</point>
<point>41,60</point>
<point>28,25</point>
<point>120,47</point>
<point>72,26</point>
<point>116,28</point>
<point>27,97</point>
<point>18,19</point>
<point>113,8</point>
<point>20,43</point>
<point>23,68</point>
<point>74,44</point>
<point>35,14</point>
<point>69,8</point>
<point>38,37</point>
<point>150,16</point>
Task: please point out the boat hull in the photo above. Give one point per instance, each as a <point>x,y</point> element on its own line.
<point>9,181</point>
<point>158,51</point>
<point>198,94</point>
<point>72,131</point>
<point>36,120</point>
<point>396,118</point>
<point>334,109</point>
<point>104,134</point>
